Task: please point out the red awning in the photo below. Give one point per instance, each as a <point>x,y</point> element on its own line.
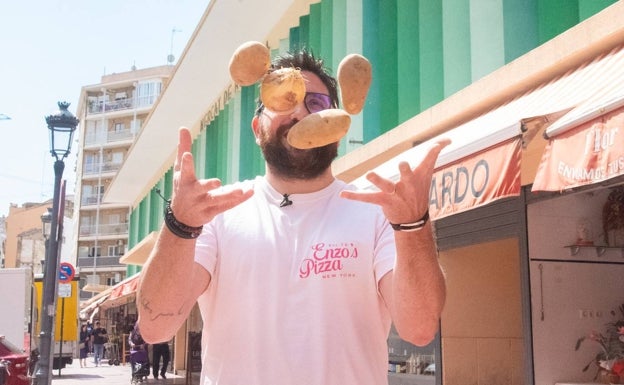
<point>123,292</point>
<point>476,180</point>
<point>590,153</point>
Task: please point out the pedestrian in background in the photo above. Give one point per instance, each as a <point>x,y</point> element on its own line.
<point>100,337</point>
<point>85,339</point>
<point>90,331</point>
<point>160,350</point>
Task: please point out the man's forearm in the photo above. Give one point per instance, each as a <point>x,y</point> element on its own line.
<point>418,286</point>
<point>165,295</point>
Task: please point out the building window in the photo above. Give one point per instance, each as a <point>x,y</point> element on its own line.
<point>147,92</point>
<point>95,249</point>
<point>116,251</point>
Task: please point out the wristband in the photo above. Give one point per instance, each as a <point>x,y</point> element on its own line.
<point>409,227</point>
<point>178,228</point>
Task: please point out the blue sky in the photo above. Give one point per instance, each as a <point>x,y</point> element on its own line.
<point>50,49</point>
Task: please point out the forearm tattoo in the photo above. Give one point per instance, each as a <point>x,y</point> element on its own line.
<point>152,315</point>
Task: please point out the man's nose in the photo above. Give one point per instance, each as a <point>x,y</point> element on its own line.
<point>299,112</point>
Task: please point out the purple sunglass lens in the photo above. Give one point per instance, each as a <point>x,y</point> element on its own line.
<point>316,102</point>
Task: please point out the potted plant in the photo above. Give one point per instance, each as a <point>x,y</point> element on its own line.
<point>610,358</point>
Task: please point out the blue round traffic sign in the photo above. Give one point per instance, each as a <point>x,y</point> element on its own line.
<point>66,272</point>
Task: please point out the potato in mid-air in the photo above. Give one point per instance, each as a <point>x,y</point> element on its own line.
<point>282,90</point>
<point>319,129</point>
<point>354,78</point>
<point>249,63</point>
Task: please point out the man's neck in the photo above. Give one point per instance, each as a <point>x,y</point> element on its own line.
<point>299,186</point>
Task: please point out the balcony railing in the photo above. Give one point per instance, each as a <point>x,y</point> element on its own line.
<point>100,261</point>
<point>91,199</point>
<point>94,168</point>
<point>98,107</point>
<point>115,105</point>
<point>108,229</point>
<point>108,137</point>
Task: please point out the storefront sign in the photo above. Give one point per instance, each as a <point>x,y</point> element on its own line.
<point>590,153</point>
<point>473,181</point>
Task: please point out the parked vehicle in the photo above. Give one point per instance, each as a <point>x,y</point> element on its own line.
<point>430,369</point>
<point>66,325</point>
<point>13,364</point>
<point>16,306</point>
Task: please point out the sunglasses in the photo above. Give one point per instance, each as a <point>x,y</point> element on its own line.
<point>313,101</point>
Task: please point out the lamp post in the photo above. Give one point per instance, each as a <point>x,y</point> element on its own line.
<point>62,125</point>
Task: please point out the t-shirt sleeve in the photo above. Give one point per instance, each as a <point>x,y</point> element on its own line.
<point>206,248</point>
<point>385,250</point>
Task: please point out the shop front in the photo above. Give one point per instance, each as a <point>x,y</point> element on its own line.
<point>577,240</point>
<point>115,308</point>
<point>529,272</point>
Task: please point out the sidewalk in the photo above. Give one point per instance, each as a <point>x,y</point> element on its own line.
<point>108,375</point>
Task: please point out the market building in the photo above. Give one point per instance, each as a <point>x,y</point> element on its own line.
<point>531,95</point>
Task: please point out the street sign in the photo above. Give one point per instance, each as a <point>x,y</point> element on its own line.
<point>64,290</point>
<point>66,272</point>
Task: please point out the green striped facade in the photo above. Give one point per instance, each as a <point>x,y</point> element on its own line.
<point>422,51</point>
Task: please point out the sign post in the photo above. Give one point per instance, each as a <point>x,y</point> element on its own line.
<point>66,275</point>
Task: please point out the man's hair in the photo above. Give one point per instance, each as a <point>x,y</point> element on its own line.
<point>306,61</point>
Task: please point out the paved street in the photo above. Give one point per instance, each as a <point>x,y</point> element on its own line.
<point>109,375</point>
<point>120,375</point>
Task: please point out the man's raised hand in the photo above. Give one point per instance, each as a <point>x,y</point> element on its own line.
<point>196,202</point>
<point>406,200</point>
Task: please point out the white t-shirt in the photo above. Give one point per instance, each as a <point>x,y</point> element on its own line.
<point>293,298</point>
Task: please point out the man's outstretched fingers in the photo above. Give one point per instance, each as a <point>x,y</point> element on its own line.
<point>187,168</point>
<point>184,145</point>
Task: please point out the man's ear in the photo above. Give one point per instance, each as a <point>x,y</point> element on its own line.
<point>255,123</point>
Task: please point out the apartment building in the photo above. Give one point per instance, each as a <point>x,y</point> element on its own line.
<point>111,115</point>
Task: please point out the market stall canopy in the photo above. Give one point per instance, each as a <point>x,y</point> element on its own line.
<point>123,292</point>
<point>586,146</point>
<point>459,181</point>
<point>140,252</point>
<point>95,288</point>
<point>90,307</point>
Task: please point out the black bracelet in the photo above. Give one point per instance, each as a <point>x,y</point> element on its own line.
<point>178,228</point>
<point>414,226</point>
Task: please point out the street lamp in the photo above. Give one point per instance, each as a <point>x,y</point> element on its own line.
<point>46,222</point>
<point>62,125</point>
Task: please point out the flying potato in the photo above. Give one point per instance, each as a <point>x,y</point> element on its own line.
<point>354,78</point>
<point>282,90</point>
<point>249,63</point>
<point>319,129</point>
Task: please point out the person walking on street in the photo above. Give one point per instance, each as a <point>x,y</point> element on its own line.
<point>85,338</point>
<point>90,331</point>
<point>160,350</point>
<point>100,337</point>
<point>298,276</point>
<point>139,358</point>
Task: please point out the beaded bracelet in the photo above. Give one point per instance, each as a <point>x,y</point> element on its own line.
<point>409,227</point>
<point>178,228</point>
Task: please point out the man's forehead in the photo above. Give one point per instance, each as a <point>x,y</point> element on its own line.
<point>313,83</point>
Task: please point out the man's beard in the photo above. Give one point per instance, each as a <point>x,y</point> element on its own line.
<point>292,163</point>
